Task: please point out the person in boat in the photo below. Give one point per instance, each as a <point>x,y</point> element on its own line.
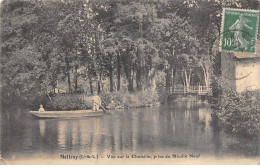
<point>96,100</point>
<point>41,109</point>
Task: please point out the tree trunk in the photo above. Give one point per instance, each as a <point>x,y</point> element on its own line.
<point>118,71</point>
<point>206,77</point>
<point>139,71</point>
<point>132,75</point>
<point>127,62</point>
<point>76,73</point>
<point>111,73</point>
<point>54,82</point>
<point>90,85</point>
<point>68,73</point>
<point>76,79</point>
<point>139,67</point>
<point>153,85</point>
<point>138,78</point>
<point>173,79</point>
<point>187,79</point>
<point>101,82</point>
<point>168,84</point>
<point>98,86</point>
<point>130,86</point>
<point>168,81</point>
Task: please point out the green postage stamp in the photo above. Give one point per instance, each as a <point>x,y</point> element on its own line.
<point>239,30</point>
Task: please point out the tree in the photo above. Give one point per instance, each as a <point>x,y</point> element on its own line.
<point>175,40</point>
<point>132,24</point>
<point>22,66</point>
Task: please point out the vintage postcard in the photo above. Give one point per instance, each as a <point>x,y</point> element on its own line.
<point>129,82</point>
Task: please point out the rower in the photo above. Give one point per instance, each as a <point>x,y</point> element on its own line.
<point>96,102</point>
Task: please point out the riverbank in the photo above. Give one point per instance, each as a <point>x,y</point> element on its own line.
<point>119,100</point>
<point>239,113</point>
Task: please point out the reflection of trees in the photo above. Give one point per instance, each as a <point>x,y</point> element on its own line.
<point>75,133</point>
<point>42,127</point>
<point>134,131</point>
<point>166,128</point>
<point>247,147</point>
<point>204,117</point>
<point>62,128</point>
<point>216,129</point>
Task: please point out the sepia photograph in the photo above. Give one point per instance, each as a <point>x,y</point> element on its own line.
<point>129,82</point>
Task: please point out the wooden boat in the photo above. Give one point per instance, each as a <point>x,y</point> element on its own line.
<point>67,114</point>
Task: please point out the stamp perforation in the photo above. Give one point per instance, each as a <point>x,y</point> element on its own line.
<point>222,29</point>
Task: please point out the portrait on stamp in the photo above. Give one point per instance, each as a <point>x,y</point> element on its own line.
<point>239,30</point>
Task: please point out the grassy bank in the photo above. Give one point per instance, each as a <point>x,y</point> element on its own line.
<point>121,99</point>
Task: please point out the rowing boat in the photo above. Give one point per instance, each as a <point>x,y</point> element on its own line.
<point>67,114</point>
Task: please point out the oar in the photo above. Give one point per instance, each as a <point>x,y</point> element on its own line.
<point>103,108</point>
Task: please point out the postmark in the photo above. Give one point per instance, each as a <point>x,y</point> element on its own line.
<point>239,30</point>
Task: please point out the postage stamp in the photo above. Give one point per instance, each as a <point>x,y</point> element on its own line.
<point>239,30</point>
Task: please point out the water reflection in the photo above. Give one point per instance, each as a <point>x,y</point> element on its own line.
<point>62,132</point>
<point>75,133</point>
<point>182,127</point>
<point>42,127</point>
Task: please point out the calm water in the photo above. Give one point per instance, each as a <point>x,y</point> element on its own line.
<point>179,127</point>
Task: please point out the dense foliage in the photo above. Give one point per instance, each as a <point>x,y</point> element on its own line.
<point>239,112</point>
<point>81,45</point>
<point>122,100</point>
<point>130,100</point>
<point>68,102</point>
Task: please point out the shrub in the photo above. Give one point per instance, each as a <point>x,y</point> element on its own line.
<point>68,102</point>
<point>240,113</point>
<point>128,100</point>
<point>121,99</point>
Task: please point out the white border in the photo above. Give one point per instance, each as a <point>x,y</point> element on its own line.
<point>131,166</point>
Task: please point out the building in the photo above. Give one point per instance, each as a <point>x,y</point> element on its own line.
<point>240,71</point>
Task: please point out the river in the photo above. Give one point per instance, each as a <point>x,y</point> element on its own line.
<point>183,127</point>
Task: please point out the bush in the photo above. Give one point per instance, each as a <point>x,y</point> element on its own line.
<point>121,99</point>
<point>128,100</point>
<point>240,113</point>
<point>68,102</point>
